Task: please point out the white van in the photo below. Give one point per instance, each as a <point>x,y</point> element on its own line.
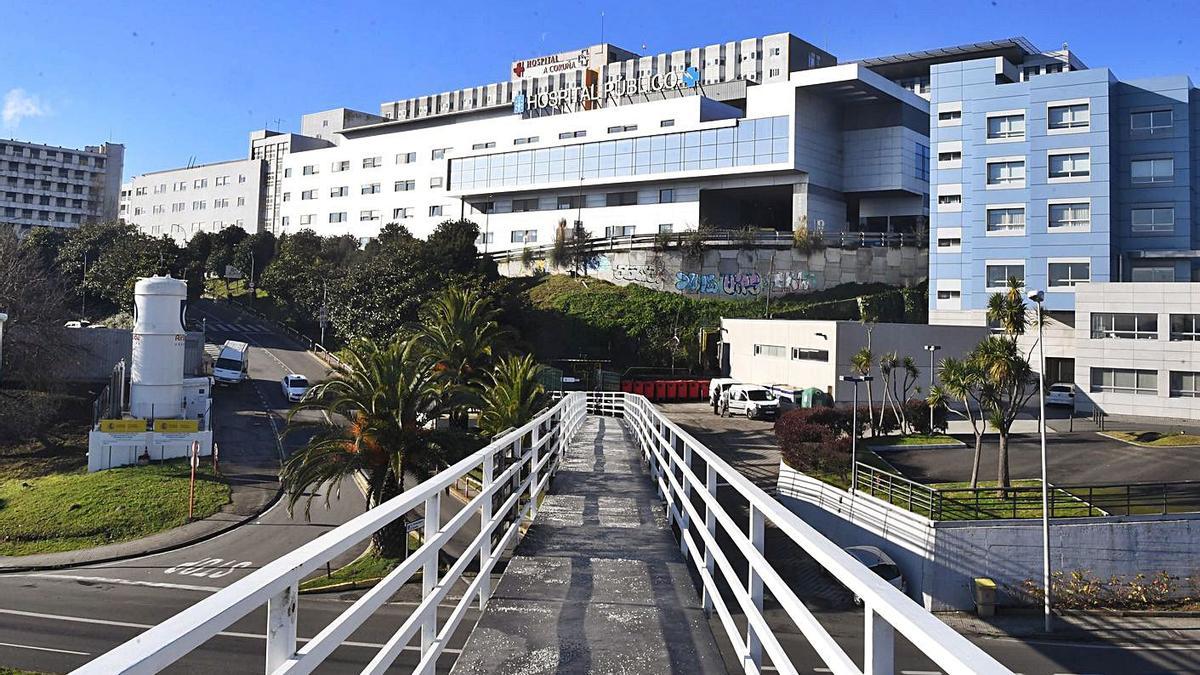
<point>231,364</point>
<point>753,401</point>
<point>716,387</point>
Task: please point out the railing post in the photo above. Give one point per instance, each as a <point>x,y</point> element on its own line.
<point>879,654</point>
<point>533,472</point>
<point>485,516</point>
<point>669,451</point>
<point>710,522</point>
<point>429,575</point>
<point>754,585</point>
<point>687,497</point>
<point>281,627</point>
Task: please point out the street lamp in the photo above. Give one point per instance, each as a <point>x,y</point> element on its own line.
<point>3,318</point>
<point>1039,297</point>
<point>854,428</point>
<point>932,349</point>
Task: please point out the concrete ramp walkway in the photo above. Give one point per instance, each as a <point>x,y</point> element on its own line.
<point>598,585</point>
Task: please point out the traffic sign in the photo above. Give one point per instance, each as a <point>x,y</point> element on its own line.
<point>414,525</point>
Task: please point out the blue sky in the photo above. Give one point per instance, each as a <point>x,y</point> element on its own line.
<point>178,80</point>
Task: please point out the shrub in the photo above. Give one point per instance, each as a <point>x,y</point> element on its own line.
<point>917,412</point>
<point>806,240</point>
<point>1080,589</point>
<point>836,420</point>
<point>792,429</point>
<point>826,456</point>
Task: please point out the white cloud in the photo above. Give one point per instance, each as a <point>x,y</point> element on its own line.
<point>18,105</point>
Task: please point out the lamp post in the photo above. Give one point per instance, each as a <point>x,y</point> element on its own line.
<point>1039,297</point>
<point>3,318</point>
<point>932,349</point>
<point>854,429</point>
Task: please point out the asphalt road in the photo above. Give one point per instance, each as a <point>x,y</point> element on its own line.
<point>750,447</point>
<point>55,621</point>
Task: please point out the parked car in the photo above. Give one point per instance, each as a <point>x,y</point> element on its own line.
<point>716,387</point>
<point>294,386</point>
<point>1062,393</point>
<point>878,562</point>
<point>751,400</point>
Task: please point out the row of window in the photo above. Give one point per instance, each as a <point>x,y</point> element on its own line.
<point>1065,216</point>
<point>365,215</point>
<point>1183,383</point>
<point>1064,117</point>
<point>366,189</point>
<point>197,205</point>
<point>530,236</point>
<point>372,162</point>
<point>61,172</point>
<point>1063,274</point>
<point>31,184</point>
<point>43,216</point>
<point>44,200</point>
<point>52,155</point>
<point>797,353</point>
<point>1143,326</point>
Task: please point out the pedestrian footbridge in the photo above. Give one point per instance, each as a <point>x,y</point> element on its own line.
<point>616,551</point>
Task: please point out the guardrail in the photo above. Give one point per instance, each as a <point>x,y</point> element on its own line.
<point>516,469</point>
<point>688,476</point>
<point>311,344</point>
<point>726,238</point>
<point>1025,501</point>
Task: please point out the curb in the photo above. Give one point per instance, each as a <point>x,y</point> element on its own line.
<point>885,447</point>
<point>1144,445</point>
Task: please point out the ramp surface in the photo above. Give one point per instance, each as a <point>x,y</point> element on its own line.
<point>598,585</point>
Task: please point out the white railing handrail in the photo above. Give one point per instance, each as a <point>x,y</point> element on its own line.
<point>275,584</point>
<point>678,481</point>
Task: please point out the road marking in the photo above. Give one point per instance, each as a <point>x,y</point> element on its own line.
<point>122,582</point>
<point>1088,645</point>
<point>45,649</point>
<point>213,568</point>
<point>252,636</point>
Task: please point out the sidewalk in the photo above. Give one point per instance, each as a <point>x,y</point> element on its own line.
<point>1115,629</point>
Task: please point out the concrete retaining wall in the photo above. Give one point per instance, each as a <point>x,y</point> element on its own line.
<point>939,559</point>
<point>736,273</point>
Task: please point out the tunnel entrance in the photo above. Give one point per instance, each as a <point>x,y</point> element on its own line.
<point>767,207</point>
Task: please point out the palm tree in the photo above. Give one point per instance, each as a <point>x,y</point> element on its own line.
<point>514,397</point>
<point>962,381</point>
<point>1007,310</point>
<point>861,364</point>
<point>887,366</point>
<point>378,418</point>
<point>1009,377</point>
<point>461,333</point>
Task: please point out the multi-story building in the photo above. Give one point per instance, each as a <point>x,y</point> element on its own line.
<point>204,198</point>
<point>58,187</point>
<point>1070,180</point>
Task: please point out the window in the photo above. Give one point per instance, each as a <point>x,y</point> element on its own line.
<point>1152,274</point>
<point>949,294</point>
<point>665,228</point>
<point>524,236</point>
<point>1066,274</point>
<point>1185,327</point>
<point>774,72</point>
<point>998,274</point>
<point>1006,127</point>
<point>572,134</point>
<point>368,215</point>
<point>1151,122</point>
<point>1124,326</point>
<point>406,185</point>
<point>621,198</point>
<point>435,182</point>
<point>621,128</point>
<point>1073,215</point>
<point>198,205</point>
<point>340,191</point>
<point>438,153</point>
<point>950,117</point>
<point>1009,219</point>
<point>667,123</point>
<point>200,183</point>
<point>947,200</point>
<point>666,196</point>
<point>570,202</point>
<point>1006,173</point>
<point>778,351</point>
<point>1156,219</point>
<point>486,238</point>
<point>525,141</point>
<point>951,156</point>
<point>1144,171</point>
<point>372,162</point>
<point>287,173</point>
<point>221,203</point>
<point>309,169</point>
<point>1125,381</point>
<point>241,178</point>
<point>406,158</point>
<point>522,205</point>
<point>618,231</point>
<point>922,162</point>
<point>805,354</point>
<point>218,181</point>
<point>339,217</point>
<point>308,194</point>
<point>483,146</point>
<point>306,219</point>
<point>343,165</point>
<point>1073,116</point>
<point>1070,165</point>
<point>1185,384</point>
<point>241,201</point>
<point>949,242</point>
<point>435,210</point>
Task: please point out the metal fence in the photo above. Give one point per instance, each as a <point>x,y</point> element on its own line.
<point>1025,501</point>
<point>516,469</point>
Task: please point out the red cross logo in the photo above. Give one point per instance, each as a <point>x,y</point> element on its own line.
<point>519,69</point>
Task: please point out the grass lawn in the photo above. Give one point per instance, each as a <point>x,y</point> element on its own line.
<point>866,457</point>
<point>365,570</point>
<point>914,439</point>
<point>70,511</point>
<point>1154,439</point>
<point>961,503</point>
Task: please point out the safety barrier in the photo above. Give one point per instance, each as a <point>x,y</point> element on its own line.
<point>516,469</point>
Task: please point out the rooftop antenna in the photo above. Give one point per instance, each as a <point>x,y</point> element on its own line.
<point>277,122</point>
<point>601,27</point>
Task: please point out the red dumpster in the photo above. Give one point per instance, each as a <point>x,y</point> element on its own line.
<point>660,391</point>
<point>703,390</point>
<point>694,390</point>
<point>635,386</point>
<point>626,386</point>
<point>671,390</point>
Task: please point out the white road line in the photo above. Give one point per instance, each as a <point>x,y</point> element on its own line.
<point>127,624</point>
<point>123,582</point>
<point>45,649</point>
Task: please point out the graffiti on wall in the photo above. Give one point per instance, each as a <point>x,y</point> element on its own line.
<point>742,283</point>
<point>645,274</point>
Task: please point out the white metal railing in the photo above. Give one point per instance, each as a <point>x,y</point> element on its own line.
<point>516,469</point>
<point>692,505</point>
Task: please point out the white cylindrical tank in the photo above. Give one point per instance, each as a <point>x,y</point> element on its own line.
<point>156,375</point>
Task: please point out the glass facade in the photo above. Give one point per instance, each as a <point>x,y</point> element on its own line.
<point>751,142</point>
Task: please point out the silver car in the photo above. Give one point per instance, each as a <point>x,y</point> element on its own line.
<point>878,562</point>
<point>294,387</point>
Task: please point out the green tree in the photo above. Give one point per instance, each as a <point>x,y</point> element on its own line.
<point>379,416</point>
<point>963,381</point>
<point>514,395</point>
<point>117,254</point>
<point>253,254</point>
<point>580,252</point>
<point>1010,378</point>
<point>861,364</point>
<point>222,249</point>
<point>459,329</point>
